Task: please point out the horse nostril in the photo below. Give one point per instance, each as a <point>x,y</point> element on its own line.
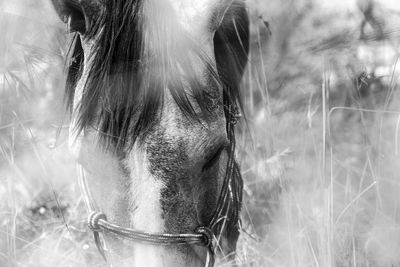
<point>213,158</point>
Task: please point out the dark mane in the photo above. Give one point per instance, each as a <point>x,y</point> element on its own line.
<point>123,96</point>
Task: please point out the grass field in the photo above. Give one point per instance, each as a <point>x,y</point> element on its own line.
<point>319,154</point>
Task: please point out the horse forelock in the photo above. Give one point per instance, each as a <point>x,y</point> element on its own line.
<point>137,56</point>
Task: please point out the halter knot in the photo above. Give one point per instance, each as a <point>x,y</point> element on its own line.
<point>236,115</point>
<point>207,235</point>
<point>93,220</point>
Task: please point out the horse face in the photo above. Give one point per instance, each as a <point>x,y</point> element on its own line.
<point>147,85</point>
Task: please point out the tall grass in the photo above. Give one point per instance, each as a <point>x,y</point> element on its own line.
<point>320,155</point>
<point>329,203</point>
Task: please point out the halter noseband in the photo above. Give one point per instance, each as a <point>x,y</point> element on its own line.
<point>202,236</point>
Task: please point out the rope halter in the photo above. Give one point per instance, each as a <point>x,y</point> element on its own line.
<point>202,236</point>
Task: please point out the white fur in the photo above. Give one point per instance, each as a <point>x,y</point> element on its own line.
<point>145,191</point>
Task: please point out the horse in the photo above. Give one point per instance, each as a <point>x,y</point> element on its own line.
<point>153,93</point>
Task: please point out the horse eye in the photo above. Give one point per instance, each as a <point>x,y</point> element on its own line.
<point>75,19</point>
<point>211,160</point>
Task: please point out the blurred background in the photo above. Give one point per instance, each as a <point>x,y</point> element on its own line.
<point>319,154</point>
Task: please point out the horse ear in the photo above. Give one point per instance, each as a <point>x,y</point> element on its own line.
<point>77,14</point>
<point>231,44</point>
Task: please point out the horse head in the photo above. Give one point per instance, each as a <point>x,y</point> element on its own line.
<point>153,89</point>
